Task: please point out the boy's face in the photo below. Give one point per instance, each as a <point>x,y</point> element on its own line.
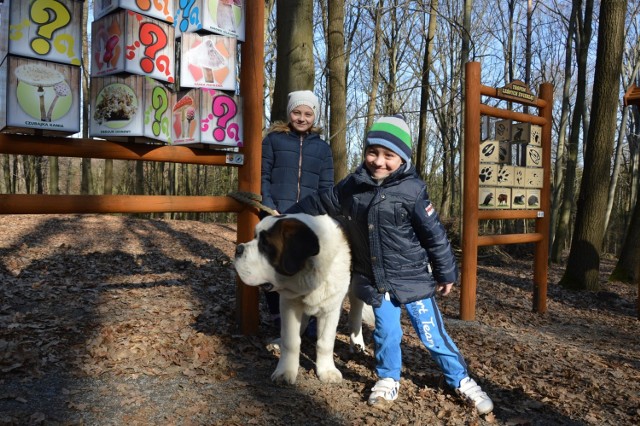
<point>302,118</point>
<point>380,161</point>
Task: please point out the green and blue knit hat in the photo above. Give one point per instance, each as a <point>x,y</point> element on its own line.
<point>391,133</point>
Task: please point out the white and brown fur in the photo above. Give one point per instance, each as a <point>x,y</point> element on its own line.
<point>307,260</point>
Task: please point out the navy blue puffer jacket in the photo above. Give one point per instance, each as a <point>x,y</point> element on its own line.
<point>294,166</point>
<point>397,240</point>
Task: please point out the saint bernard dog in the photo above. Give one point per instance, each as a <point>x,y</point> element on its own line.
<point>307,260</point>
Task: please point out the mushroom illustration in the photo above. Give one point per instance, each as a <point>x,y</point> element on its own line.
<point>62,89</point>
<point>39,76</point>
<point>180,114</point>
<point>191,114</point>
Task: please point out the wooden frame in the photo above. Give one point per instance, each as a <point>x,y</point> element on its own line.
<point>251,88</point>
<point>471,213</point>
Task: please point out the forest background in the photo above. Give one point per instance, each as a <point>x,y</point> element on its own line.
<point>366,59</point>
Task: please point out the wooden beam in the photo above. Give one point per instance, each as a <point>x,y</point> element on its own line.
<point>95,148</point>
<point>251,89</point>
<point>82,204</point>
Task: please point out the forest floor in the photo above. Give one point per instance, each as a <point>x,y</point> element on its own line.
<point>112,320</point>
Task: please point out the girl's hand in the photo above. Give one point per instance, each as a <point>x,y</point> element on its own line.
<point>444,289</point>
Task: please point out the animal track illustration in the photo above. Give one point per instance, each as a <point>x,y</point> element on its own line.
<point>534,156</point>
<point>503,153</point>
<point>485,174</point>
<point>519,178</point>
<point>487,150</point>
<point>503,175</point>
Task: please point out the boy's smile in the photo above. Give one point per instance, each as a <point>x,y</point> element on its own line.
<point>302,118</point>
<point>381,162</point>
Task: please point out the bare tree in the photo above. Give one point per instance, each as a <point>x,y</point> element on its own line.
<point>582,41</point>
<point>421,154</point>
<point>375,64</point>
<point>583,265</point>
<point>294,67</point>
<point>86,179</point>
<point>560,163</point>
<point>337,88</point>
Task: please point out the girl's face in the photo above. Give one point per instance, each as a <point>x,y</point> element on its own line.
<point>302,118</point>
<point>380,161</point>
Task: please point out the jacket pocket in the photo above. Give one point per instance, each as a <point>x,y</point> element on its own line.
<point>400,214</point>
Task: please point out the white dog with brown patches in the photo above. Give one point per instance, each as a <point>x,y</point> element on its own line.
<point>307,260</point>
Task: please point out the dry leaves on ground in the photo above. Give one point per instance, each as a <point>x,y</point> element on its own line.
<point>116,320</point>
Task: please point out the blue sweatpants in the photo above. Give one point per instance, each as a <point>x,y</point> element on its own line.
<point>427,322</point>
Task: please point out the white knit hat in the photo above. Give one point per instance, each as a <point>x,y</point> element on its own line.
<point>304,97</point>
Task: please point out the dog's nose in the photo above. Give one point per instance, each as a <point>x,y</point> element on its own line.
<point>239,249</point>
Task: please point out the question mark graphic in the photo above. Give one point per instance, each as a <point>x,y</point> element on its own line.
<point>144,4</point>
<point>152,36</point>
<point>159,5</point>
<point>65,43</point>
<point>186,6</point>
<point>160,103</point>
<point>40,13</point>
<point>225,108</point>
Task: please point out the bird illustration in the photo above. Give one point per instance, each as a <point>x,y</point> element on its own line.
<point>518,134</point>
<point>487,199</point>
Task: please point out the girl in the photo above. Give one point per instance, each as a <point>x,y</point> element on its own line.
<point>296,162</point>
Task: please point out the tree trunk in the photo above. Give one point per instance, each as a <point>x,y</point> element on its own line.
<point>54,176</point>
<point>6,172</point>
<point>294,66</point>
<point>139,181</point>
<point>583,265</point>
<point>39,163</point>
<point>561,160</point>
<point>337,89</point>
<point>421,154</point>
<point>390,106</point>
<point>108,177</point>
<point>86,179</point>
<point>375,67</point>
<point>583,39</point>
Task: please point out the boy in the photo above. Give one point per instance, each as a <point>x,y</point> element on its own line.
<point>401,256</point>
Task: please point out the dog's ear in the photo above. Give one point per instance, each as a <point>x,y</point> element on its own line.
<point>298,243</point>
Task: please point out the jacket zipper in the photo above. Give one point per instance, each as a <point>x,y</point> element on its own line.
<point>299,169</point>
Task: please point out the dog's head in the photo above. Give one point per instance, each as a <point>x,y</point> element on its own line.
<point>281,247</point>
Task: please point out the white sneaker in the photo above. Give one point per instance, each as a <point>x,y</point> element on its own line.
<point>471,392</point>
<point>384,391</point>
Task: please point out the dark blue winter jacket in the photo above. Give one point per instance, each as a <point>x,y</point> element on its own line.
<point>398,243</point>
<point>294,166</point>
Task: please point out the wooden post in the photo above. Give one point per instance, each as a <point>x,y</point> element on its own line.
<point>470,200</point>
<point>251,90</point>
<point>543,224</point>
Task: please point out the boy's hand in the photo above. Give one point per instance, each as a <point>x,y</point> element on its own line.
<point>444,289</point>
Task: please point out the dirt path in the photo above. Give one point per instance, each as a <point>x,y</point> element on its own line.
<point>108,320</point>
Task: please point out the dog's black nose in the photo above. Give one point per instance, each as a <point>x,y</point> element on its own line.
<point>239,249</point>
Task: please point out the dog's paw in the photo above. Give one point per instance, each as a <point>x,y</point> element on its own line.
<point>356,344</point>
<point>330,375</point>
<point>284,376</point>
